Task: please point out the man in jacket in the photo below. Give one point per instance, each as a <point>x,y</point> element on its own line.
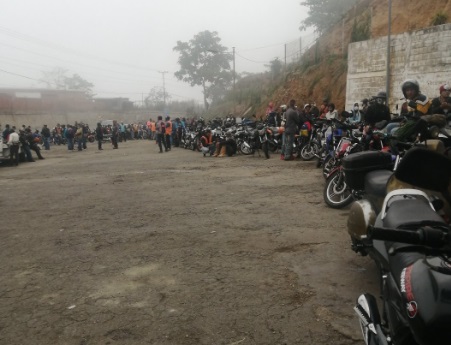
<point>45,132</point>
<point>291,128</point>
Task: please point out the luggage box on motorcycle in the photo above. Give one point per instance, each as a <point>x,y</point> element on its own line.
<point>358,164</point>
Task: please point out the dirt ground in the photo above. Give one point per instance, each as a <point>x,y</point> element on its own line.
<point>130,246</point>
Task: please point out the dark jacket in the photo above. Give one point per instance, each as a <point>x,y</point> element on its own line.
<point>99,133</point>
<point>292,123</point>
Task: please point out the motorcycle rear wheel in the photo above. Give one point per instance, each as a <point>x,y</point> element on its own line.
<point>265,147</point>
<point>336,193</point>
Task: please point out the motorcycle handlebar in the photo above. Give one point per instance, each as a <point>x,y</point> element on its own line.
<point>426,236</point>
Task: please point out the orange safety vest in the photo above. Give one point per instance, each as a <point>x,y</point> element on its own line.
<point>153,127</point>
<point>168,127</point>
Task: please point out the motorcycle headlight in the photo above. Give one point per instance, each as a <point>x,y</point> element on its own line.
<point>361,216</point>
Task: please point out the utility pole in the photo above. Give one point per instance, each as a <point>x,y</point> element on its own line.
<point>233,68</point>
<point>164,87</point>
<point>387,81</point>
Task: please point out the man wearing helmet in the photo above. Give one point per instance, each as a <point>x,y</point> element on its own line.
<point>416,106</point>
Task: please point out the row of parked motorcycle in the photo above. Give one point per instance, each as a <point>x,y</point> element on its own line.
<point>400,215</point>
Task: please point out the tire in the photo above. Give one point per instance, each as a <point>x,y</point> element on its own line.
<point>265,148</point>
<point>308,151</point>
<point>245,150</point>
<point>336,193</point>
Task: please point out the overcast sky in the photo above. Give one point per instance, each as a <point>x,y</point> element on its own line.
<point>121,46</point>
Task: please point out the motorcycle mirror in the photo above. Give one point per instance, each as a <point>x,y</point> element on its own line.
<point>361,216</point>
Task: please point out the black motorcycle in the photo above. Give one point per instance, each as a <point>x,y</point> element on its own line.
<point>410,243</point>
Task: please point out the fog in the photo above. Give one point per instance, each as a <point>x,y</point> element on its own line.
<point>122,46</point>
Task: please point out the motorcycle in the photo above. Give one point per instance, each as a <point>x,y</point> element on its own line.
<point>409,238</point>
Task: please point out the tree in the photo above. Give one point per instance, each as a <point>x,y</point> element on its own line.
<point>323,14</point>
<point>275,67</point>
<point>78,83</point>
<point>57,79</point>
<point>205,62</point>
<point>156,98</point>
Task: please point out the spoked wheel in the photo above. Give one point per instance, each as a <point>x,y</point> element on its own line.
<point>245,148</point>
<point>309,150</point>
<point>336,193</point>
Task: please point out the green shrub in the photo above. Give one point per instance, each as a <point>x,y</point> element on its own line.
<point>439,19</point>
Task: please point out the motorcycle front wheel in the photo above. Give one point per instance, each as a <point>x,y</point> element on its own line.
<point>245,148</point>
<point>308,151</point>
<point>336,193</point>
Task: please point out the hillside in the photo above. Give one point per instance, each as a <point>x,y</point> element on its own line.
<point>322,71</point>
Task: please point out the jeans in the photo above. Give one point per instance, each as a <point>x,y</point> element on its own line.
<point>289,139</point>
<point>27,151</point>
<point>70,144</point>
<point>161,142</point>
<point>46,143</point>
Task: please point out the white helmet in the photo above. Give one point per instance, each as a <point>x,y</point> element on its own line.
<point>284,107</point>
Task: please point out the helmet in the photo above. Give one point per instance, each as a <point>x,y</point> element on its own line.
<point>307,105</point>
<point>283,106</point>
<point>410,84</point>
<point>381,94</point>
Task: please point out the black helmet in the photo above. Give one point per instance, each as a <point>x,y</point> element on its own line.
<point>381,94</point>
<point>410,84</point>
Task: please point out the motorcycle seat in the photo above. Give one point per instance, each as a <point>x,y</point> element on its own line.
<point>409,213</point>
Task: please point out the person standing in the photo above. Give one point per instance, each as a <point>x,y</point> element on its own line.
<point>84,137</point>
<point>6,132</point>
<point>114,134</point>
<point>160,134</point>
<point>25,145</point>
<point>152,130</point>
<point>99,135</point>
<point>13,142</point>
<point>70,137</point>
<point>45,132</point>
<point>79,137</point>
<point>123,132</point>
<point>291,128</point>
<point>168,125</point>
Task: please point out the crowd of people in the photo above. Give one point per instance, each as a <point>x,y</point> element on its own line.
<point>168,133</point>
